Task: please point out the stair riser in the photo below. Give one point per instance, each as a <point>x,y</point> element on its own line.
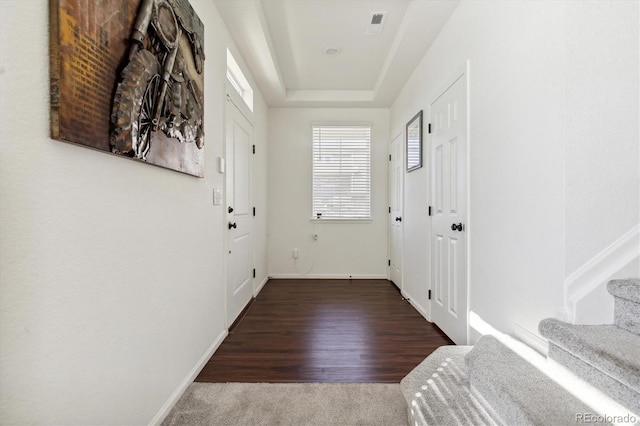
<point>627,315</point>
<point>608,385</point>
<point>509,412</point>
<point>510,409</point>
<point>518,391</point>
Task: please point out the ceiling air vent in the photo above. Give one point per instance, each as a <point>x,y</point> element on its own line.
<point>377,19</point>
<point>376,23</point>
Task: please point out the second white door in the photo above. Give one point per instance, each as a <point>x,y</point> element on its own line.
<point>239,223</point>
<point>396,174</point>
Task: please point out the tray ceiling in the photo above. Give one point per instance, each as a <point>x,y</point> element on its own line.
<point>285,44</point>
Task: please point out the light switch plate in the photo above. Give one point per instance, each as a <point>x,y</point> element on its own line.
<point>217,197</point>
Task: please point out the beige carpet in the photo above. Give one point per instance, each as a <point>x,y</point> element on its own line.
<point>321,404</point>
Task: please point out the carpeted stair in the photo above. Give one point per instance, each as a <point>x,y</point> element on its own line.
<point>509,385</point>
<point>607,356</point>
<point>519,392</point>
<point>441,381</point>
<point>626,295</point>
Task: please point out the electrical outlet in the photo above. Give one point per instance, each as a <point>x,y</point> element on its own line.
<point>295,253</point>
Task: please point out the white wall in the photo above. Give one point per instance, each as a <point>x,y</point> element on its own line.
<point>111,270</point>
<point>342,249</point>
<point>602,157</point>
<point>531,72</point>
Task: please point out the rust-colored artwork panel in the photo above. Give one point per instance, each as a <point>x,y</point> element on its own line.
<point>127,77</point>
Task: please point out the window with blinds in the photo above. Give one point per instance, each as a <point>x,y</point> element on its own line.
<point>342,172</point>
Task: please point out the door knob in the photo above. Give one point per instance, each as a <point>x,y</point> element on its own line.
<point>457,227</point>
<point>230,209</point>
<point>232,225</point>
<point>398,219</point>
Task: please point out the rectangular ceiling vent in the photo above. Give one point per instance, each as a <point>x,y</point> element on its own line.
<point>376,23</point>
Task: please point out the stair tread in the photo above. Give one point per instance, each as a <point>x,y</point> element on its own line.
<point>628,289</point>
<point>437,391</point>
<point>517,390</point>
<point>608,348</point>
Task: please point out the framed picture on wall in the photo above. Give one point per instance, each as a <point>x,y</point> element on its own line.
<point>413,136</point>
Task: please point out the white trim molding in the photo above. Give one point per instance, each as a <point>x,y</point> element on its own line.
<point>329,276</point>
<point>532,339</point>
<point>421,310</point>
<point>599,270</point>
<point>260,286</point>
<point>173,399</point>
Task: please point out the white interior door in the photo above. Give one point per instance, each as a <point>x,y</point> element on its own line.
<point>449,217</point>
<point>396,174</point>
<point>239,224</point>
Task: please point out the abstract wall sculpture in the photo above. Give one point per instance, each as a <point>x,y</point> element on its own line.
<point>127,77</point>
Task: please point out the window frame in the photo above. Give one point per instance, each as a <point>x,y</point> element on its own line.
<point>238,81</point>
<point>344,219</point>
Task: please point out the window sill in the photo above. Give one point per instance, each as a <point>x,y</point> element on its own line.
<point>341,220</point>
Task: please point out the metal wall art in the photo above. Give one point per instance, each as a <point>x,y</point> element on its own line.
<point>127,77</point>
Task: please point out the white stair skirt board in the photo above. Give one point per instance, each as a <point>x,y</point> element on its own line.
<point>595,274</point>
<point>532,339</point>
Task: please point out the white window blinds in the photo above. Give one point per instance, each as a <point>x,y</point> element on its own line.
<point>342,172</point>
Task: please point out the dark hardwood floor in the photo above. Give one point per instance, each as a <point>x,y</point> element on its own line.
<point>325,331</point>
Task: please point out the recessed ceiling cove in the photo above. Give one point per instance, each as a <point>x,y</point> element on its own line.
<point>333,52</point>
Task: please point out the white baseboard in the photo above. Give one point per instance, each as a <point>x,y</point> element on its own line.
<point>166,408</point>
<point>416,305</point>
<point>259,288</point>
<point>329,276</point>
<point>599,270</point>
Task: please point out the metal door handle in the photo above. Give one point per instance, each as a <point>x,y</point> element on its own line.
<point>398,219</point>
<point>232,225</point>
<point>457,227</point>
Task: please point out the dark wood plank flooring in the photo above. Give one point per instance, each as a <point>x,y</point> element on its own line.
<point>357,331</point>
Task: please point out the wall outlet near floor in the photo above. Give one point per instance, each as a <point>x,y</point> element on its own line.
<point>295,253</point>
